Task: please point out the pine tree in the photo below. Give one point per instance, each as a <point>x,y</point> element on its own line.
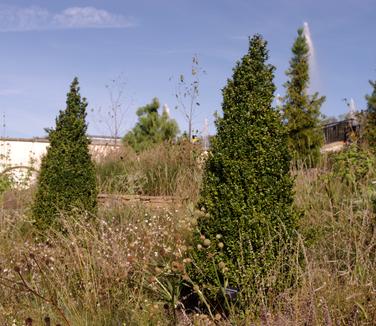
<point>246,196</point>
<point>301,112</point>
<point>370,117</point>
<point>151,128</point>
<point>67,178</point>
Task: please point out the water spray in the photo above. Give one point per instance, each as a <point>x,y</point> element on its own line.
<point>308,37</point>
<point>313,69</point>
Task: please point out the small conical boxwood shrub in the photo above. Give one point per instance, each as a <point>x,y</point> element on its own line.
<point>67,180</point>
<point>246,196</point>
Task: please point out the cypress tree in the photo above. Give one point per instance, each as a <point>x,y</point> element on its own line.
<point>246,196</point>
<point>67,180</point>
<point>370,114</point>
<point>301,112</point>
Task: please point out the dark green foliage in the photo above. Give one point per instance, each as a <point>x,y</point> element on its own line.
<point>246,196</point>
<point>67,179</point>
<point>349,174</point>
<point>301,112</point>
<point>6,178</point>
<point>6,183</point>
<point>151,128</point>
<point>370,117</point>
<point>353,165</point>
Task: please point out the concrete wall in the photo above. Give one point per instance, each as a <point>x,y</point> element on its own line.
<point>29,152</point>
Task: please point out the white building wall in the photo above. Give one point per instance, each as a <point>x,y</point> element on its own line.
<point>22,152</point>
<point>29,152</point>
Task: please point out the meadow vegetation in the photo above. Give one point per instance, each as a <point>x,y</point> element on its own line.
<point>166,169</point>
<point>130,263</point>
<point>252,238</point>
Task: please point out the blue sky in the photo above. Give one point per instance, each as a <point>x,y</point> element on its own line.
<point>44,44</point>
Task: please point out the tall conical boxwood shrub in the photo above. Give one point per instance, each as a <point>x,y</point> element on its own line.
<point>66,181</point>
<point>246,196</point>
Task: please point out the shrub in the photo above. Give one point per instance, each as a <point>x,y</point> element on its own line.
<point>67,175</point>
<point>5,183</point>
<point>246,196</point>
<point>353,165</point>
<point>6,179</point>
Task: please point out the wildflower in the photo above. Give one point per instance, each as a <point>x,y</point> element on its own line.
<point>218,236</point>
<point>220,245</point>
<point>185,277</point>
<point>167,250</point>
<point>152,279</point>
<point>176,266</point>
<point>207,242</point>
<point>221,265</point>
<point>199,247</point>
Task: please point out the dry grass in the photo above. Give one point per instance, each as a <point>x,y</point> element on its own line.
<point>127,266</point>
<point>98,273</point>
<point>165,170</point>
<point>337,284</point>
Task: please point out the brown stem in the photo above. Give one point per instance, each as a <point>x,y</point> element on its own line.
<point>31,290</point>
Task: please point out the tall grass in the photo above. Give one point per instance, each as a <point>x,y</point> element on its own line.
<point>128,265</point>
<point>340,239</point>
<point>98,273</point>
<point>335,263</point>
<point>164,170</point>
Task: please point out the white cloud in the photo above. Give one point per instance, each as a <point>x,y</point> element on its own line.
<point>17,19</point>
<point>89,17</point>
